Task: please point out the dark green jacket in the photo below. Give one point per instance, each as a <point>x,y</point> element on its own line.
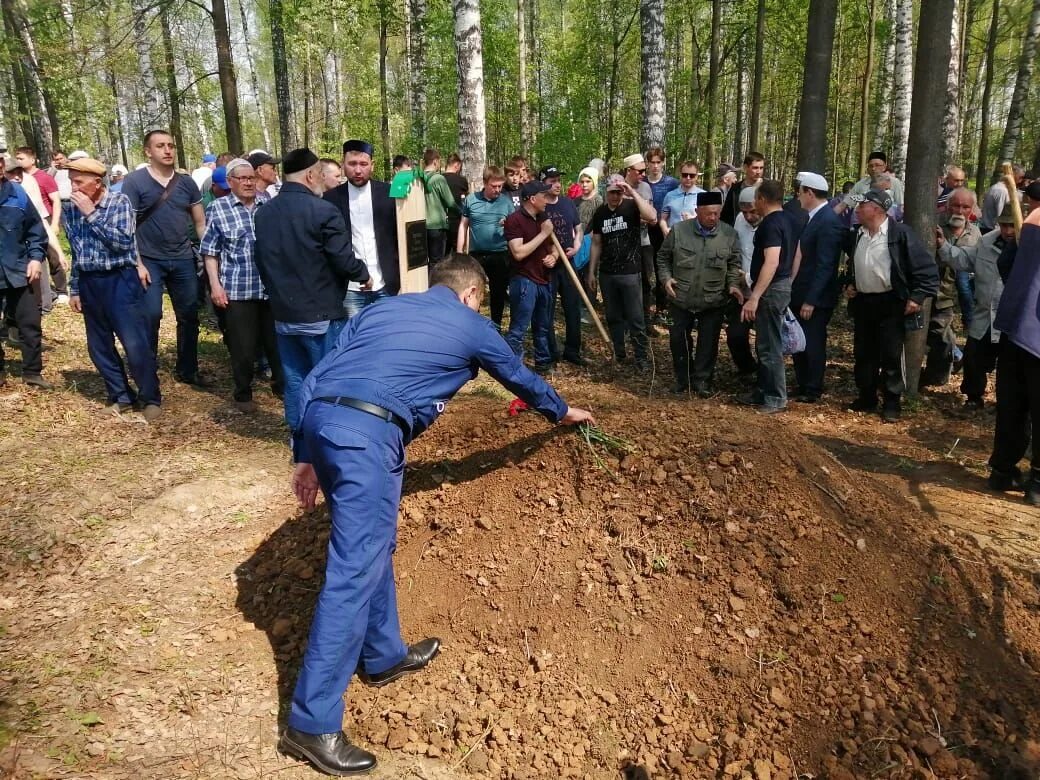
<point>704,267</point>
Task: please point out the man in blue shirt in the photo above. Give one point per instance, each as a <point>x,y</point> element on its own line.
<point>391,374</point>
<point>234,282</point>
<point>108,287</point>
<point>23,247</point>
<point>168,205</point>
<point>483,215</point>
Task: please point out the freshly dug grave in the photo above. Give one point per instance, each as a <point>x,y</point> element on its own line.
<point>725,600</point>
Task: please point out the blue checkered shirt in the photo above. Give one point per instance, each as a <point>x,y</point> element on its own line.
<point>230,237</point>
<point>102,241</point>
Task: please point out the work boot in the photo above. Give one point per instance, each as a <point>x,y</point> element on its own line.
<point>37,381</point>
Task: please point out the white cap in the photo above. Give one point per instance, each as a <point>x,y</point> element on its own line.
<point>633,160</point>
<point>259,151</point>
<point>238,162</point>
<point>119,169</point>
<point>813,181</point>
<point>747,195</point>
<point>79,154</point>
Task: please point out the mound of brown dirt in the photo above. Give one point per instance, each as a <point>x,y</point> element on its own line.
<point>725,600</point>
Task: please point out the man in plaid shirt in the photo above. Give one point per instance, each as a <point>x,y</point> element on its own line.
<point>235,286</point>
<point>107,287</point>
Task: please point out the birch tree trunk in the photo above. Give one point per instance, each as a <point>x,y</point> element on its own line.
<point>226,75</point>
<point>925,159</point>
<point>44,120</point>
<point>200,119</point>
<point>1026,64</point>
<point>149,92</point>
<point>951,129</point>
<point>417,69</point>
<point>652,72</point>
<point>902,84</point>
<point>883,128</point>
<point>384,98</point>
<point>282,87</point>
<point>756,81</point>
<point>254,86</point>
<point>472,125</point>
<point>816,82</point>
<point>738,134</point>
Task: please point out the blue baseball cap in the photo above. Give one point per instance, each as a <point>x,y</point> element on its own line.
<point>220,178</point>
<point>208,158</point>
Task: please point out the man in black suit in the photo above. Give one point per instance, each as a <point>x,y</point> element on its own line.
<point>814,292</point>
<point>371,218</point>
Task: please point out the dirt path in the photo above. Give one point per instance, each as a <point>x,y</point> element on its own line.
<point>678,611</point>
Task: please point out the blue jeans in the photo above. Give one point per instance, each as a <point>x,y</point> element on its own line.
<point>179,278</point>
<point>300,354</point>
<point>356,300</point>
<point>772,374</point>
<point>529,307</point>
<point>114,307</point>
<point>359,461</point>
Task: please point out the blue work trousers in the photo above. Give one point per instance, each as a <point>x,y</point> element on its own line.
<point>178,277</point>
<point>299,355</point>
<point>529,304</point>
<point>114,307</point>
<point>356,300</point>
<point>359,460</point>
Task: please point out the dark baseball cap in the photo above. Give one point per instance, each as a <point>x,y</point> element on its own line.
<point>533,188</point>
<point>256,159</point>
<point>549,172</point>
<point>880,198</point>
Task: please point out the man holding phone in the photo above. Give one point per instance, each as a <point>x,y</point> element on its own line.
<point>108,287</point>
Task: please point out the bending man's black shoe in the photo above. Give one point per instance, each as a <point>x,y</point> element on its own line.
<point>418,656</point>
<point>1003,481</point>
<point>329,753</point>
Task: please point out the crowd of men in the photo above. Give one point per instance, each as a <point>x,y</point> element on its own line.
<point>286,251</point>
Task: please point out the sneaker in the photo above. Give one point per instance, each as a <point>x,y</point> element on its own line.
<point>117,408</point>
<point>151,412</point>
<point>62,299</point>
<point>1003,481</point>
<point>770,410</point>
<point>35,380</point>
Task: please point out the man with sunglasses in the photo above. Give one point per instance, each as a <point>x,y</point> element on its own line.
<point>680,203</point>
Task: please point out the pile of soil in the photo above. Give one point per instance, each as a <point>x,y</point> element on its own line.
<point>726,599</point>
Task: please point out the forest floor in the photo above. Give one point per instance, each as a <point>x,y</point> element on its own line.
<point>810,595</point>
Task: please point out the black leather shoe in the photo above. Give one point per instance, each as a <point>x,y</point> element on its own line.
<point>863,405</point>
<point>891,414</point>
<point>329,753</point>
<point>1003,481</point>
<point>35,380</point>
<point>193,379</point>
<point>418,656</point>
<point>754,398</point>
<point>576,360</point>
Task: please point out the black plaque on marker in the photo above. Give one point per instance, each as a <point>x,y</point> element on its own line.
<point>415,241</point>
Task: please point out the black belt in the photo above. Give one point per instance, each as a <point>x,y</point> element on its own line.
<point>365,406</point>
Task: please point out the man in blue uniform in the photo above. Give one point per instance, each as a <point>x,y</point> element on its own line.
<point>390,375</point>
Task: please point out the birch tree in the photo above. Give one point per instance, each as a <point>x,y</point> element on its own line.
<point>883,128</point>
<point>652,72</point>
<point>902,84</point>
<point>952,115</point>
<point>148,91</point>
<point>253,81</point>
<point>472,115</point>
<point>417,68</point>
<point>1026,64</point>
<point>523,55</point>
<point>756,79</point>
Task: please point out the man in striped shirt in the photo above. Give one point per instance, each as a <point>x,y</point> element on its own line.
<point>107,287</point>
<point>235,286</point>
